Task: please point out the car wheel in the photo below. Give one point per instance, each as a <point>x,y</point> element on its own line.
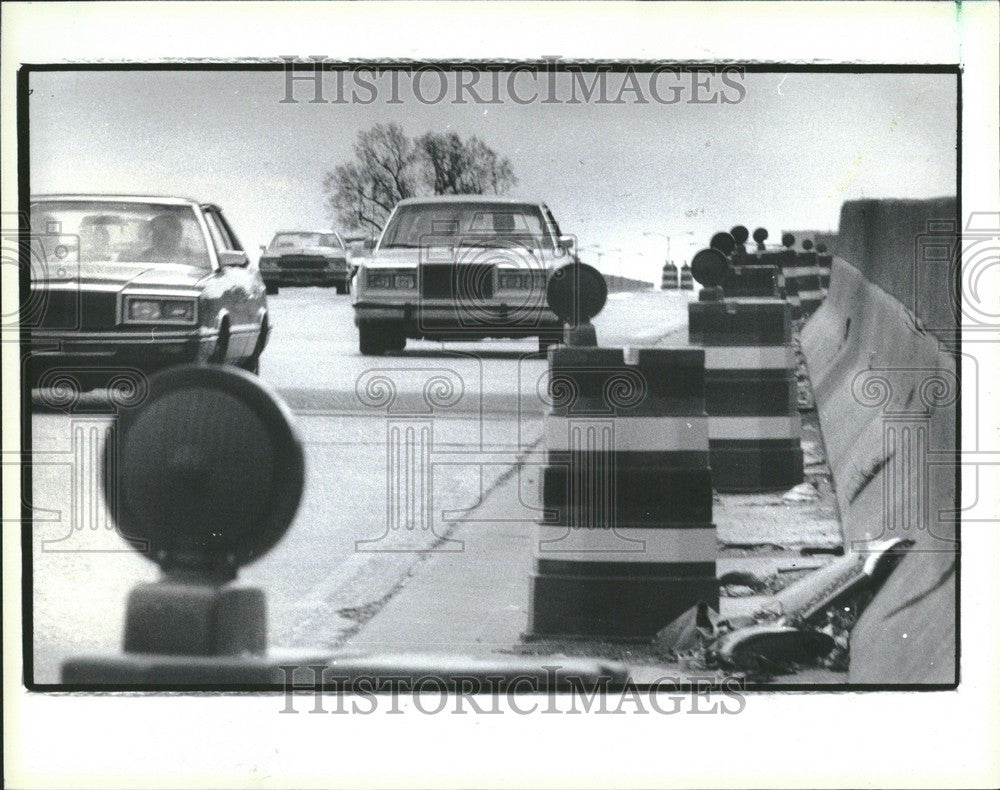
<point>545,341</point>
<point>272,289</point>
<point>372,338</point>
<point>221,347</point>
<point>340,289</point>
<point>397,340</point>
<point>252,363</point>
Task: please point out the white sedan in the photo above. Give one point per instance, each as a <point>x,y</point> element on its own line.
<point>460,267</point>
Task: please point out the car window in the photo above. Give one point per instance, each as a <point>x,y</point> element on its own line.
<point>297,239</point>
<point>92,233</point>
<point>220,238</point>
<point>417,225</point>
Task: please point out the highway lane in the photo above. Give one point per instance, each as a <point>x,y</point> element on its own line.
<point>470,410</point>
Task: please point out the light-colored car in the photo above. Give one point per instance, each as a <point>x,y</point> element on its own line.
<point>460,267</point>
<point>129,282</point>
<point>306,257</point>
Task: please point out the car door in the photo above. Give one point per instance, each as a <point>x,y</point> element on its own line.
<point>236,291</point>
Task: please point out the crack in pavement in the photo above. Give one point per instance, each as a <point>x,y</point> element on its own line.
<point>331,605</point>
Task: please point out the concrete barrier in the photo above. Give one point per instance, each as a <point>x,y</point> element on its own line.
<point>886,393</point>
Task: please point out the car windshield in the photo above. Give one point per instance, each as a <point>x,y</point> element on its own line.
<point>473,224</point>
<point>91,233</point>
<point>292,240</point>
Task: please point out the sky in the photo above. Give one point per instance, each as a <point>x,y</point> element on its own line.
<point>785,153</point>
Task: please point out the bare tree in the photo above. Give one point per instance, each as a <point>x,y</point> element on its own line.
<point>388,167</point>
<point>470,168</point>
<point>363,192</point>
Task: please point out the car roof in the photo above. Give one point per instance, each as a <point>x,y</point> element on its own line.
<point>300,230</point>
<point>469,199</point>
<point>164,200</point>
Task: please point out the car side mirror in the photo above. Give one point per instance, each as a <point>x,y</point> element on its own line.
<point>233,258</point>
<point>566,242</point>
<point>263,247</point>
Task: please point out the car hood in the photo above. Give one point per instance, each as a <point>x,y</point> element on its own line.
<point>521,257</point>
<point>119,275</point>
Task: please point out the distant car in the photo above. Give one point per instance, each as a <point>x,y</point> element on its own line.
<point>460,267</point>
<point>306,257</point>
<point>126,282</point>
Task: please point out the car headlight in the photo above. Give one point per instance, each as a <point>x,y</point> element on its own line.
<point>388,279</point>
<point>336,263</point>
<point>156,310</point>
<point>268,263</point>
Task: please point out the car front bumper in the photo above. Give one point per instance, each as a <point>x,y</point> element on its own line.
<point>106,352</point>
<point>435,318</point>
<point>289,276</point>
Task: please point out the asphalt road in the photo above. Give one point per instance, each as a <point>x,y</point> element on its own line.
<point>462,420</point>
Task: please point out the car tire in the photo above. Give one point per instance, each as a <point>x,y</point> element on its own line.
<point>545,341</point>
<point>272,289</point>
<point>397,340</point>
<point>371,338</point>
<point>340,289</point>
<point>252,363</point>
<point>221,350</point>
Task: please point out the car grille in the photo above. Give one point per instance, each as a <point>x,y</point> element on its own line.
<point>464,283</point>
<point>72,310</point>
<point>302,262</point>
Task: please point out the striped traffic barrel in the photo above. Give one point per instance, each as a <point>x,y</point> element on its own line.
<point>750,392</point>
<point>627,541</point>
<point>687,282</point>
<point>825,261</point>
<point>790,277</point>
<point>669,282</point>
<point>810,290</point>
<point>744,278</point>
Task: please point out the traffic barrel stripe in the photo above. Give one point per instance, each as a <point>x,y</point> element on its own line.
<point>687,281</point>
<point>756,322</point>
<point>738,393</point>
<point>780,357</point>
<point>745,279</point>
<point>752,428</point>
<point>626,545</point>
<point>603,492</point>
<point>625,606</point>
<point>634,434</point>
